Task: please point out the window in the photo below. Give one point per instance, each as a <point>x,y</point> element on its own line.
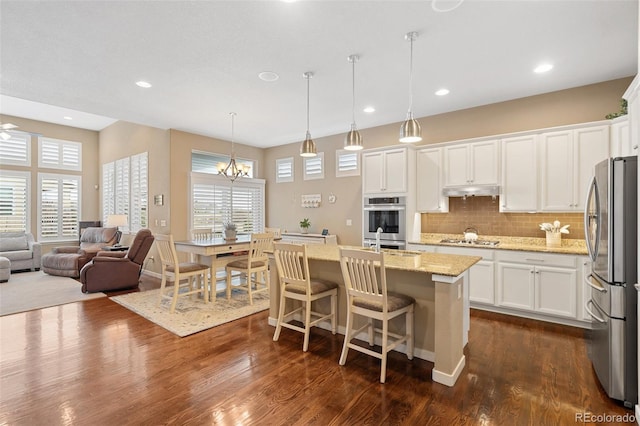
<point>347,163</point>
<point>59,206</point>
<point>139,192</point>
<point>59,154</point>
<point>14,201</point>
<point>314,167</point>
<point>284,170</point>
<point>17,150</point>
<point>214,201</point>
<point>125,190</point>
<point>205,162</point>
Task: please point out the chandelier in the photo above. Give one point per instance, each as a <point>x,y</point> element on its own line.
<point>231,170</point>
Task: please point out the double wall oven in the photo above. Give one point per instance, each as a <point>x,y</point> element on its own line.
<point>388,214</point>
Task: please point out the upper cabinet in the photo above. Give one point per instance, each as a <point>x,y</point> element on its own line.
<point>385,171</point>
<point>567,163</point>
<point>430,180</point>
<point>472,163</point>
<point>519,186</point>
<point>621,145</point>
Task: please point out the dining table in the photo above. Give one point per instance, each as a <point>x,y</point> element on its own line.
<point>216,251</point>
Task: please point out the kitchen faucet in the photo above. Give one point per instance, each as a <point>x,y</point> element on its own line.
<point>378,233</point>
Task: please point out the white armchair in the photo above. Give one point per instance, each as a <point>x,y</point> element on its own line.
<point>21,249</point>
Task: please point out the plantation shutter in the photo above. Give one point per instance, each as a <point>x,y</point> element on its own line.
<point>59,206</point>
<point>17,150</point>
<point>14,201</point>
<point>59,154</point>
<point>139,192</point>
<point>215,200</point>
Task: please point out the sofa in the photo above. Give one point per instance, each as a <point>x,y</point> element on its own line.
<point>67,261</point>
<point>109,271</point>
<point>21,249</point>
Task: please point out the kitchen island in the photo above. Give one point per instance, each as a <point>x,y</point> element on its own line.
<point>436,282</point>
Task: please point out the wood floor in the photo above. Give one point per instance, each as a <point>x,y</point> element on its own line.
<point>97,363</point>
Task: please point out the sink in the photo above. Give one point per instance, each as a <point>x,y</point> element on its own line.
<point>470,243</point>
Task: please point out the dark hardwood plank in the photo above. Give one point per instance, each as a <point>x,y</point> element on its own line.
<point>97,363</point>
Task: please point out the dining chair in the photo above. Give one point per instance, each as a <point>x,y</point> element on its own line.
<point>366,286</point>
<point>297,284</point>
<point>254,268</point>
<point>175,271</point>
<point>277,234</point>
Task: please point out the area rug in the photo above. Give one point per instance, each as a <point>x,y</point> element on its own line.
<point>26,291</point>
<point>192,315</point>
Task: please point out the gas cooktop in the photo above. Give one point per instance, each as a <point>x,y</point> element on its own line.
<point>470,243</point>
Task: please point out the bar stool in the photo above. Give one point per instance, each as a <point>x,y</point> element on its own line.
<point>367,296</point>
<point>296,284</point>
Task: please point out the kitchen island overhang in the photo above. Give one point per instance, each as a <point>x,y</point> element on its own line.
<point>435,280</point>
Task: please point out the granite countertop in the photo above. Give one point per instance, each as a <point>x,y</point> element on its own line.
<point>433,263</point>
<point>569,246</point>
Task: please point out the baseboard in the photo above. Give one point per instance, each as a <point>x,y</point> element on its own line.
<point>448,379</point>
<point>152,274</point>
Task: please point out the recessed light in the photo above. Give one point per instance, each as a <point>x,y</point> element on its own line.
<point>66,117</point>
<point>543,68</point>
<point>369,109</point>
<point>268,76</point>
<point>442,92</point>
<point>445,5</point>
<point>143,84</point>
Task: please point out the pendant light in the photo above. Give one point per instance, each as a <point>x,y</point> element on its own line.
<point>353,140</point>
<point>232,171</point>
<point>308,148</point>
<point>410,130</point>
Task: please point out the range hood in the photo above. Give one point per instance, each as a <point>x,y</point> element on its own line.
<point>471,191</point>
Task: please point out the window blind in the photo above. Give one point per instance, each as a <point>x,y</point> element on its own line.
<point>139,192</point>
<point>284,170</point>
<point>347,163</point>
<point>204,162</point>
<point>14,201</point>
<point>314,167</point>
<point>215,200</point>
<point>59,206</point>
<point>17,150</point>
<point>59,154</point>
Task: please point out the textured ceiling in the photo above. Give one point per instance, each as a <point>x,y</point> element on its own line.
<point>203,59</point>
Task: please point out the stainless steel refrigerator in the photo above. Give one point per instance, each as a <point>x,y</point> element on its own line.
<point>611,233</point>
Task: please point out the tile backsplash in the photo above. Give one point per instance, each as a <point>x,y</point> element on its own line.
<point>483,214</point>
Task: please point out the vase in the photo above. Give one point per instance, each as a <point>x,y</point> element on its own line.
<point>554,239</point>
<point>229,234</point>
<point>304,230</point>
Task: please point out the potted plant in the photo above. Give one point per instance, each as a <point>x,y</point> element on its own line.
<point>305,225</point>
<point>230,231</point>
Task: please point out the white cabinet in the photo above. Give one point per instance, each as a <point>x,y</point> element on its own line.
<point>299,238</point>
<point>384,171</point>
<point>537,282</point>
<point>567,162</point>
<point>621,145</point>
<point>481,275</point>
<point>430,179</point>
<point>519,174</point>
<point>472,163</point>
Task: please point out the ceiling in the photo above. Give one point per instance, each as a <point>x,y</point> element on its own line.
<point>82,58</point>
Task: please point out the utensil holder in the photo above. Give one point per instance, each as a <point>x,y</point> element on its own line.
<point>554,239</point>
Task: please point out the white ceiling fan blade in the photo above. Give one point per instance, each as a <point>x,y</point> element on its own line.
<point>8,126</point>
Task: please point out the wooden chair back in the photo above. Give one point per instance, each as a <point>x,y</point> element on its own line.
<point>364,275</point>
<point>167,253</point>
<point>258,246</point>
<point>292,263</point>
<point>275,231</point>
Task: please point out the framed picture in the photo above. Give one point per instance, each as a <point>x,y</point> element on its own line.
<point>325,232</point>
